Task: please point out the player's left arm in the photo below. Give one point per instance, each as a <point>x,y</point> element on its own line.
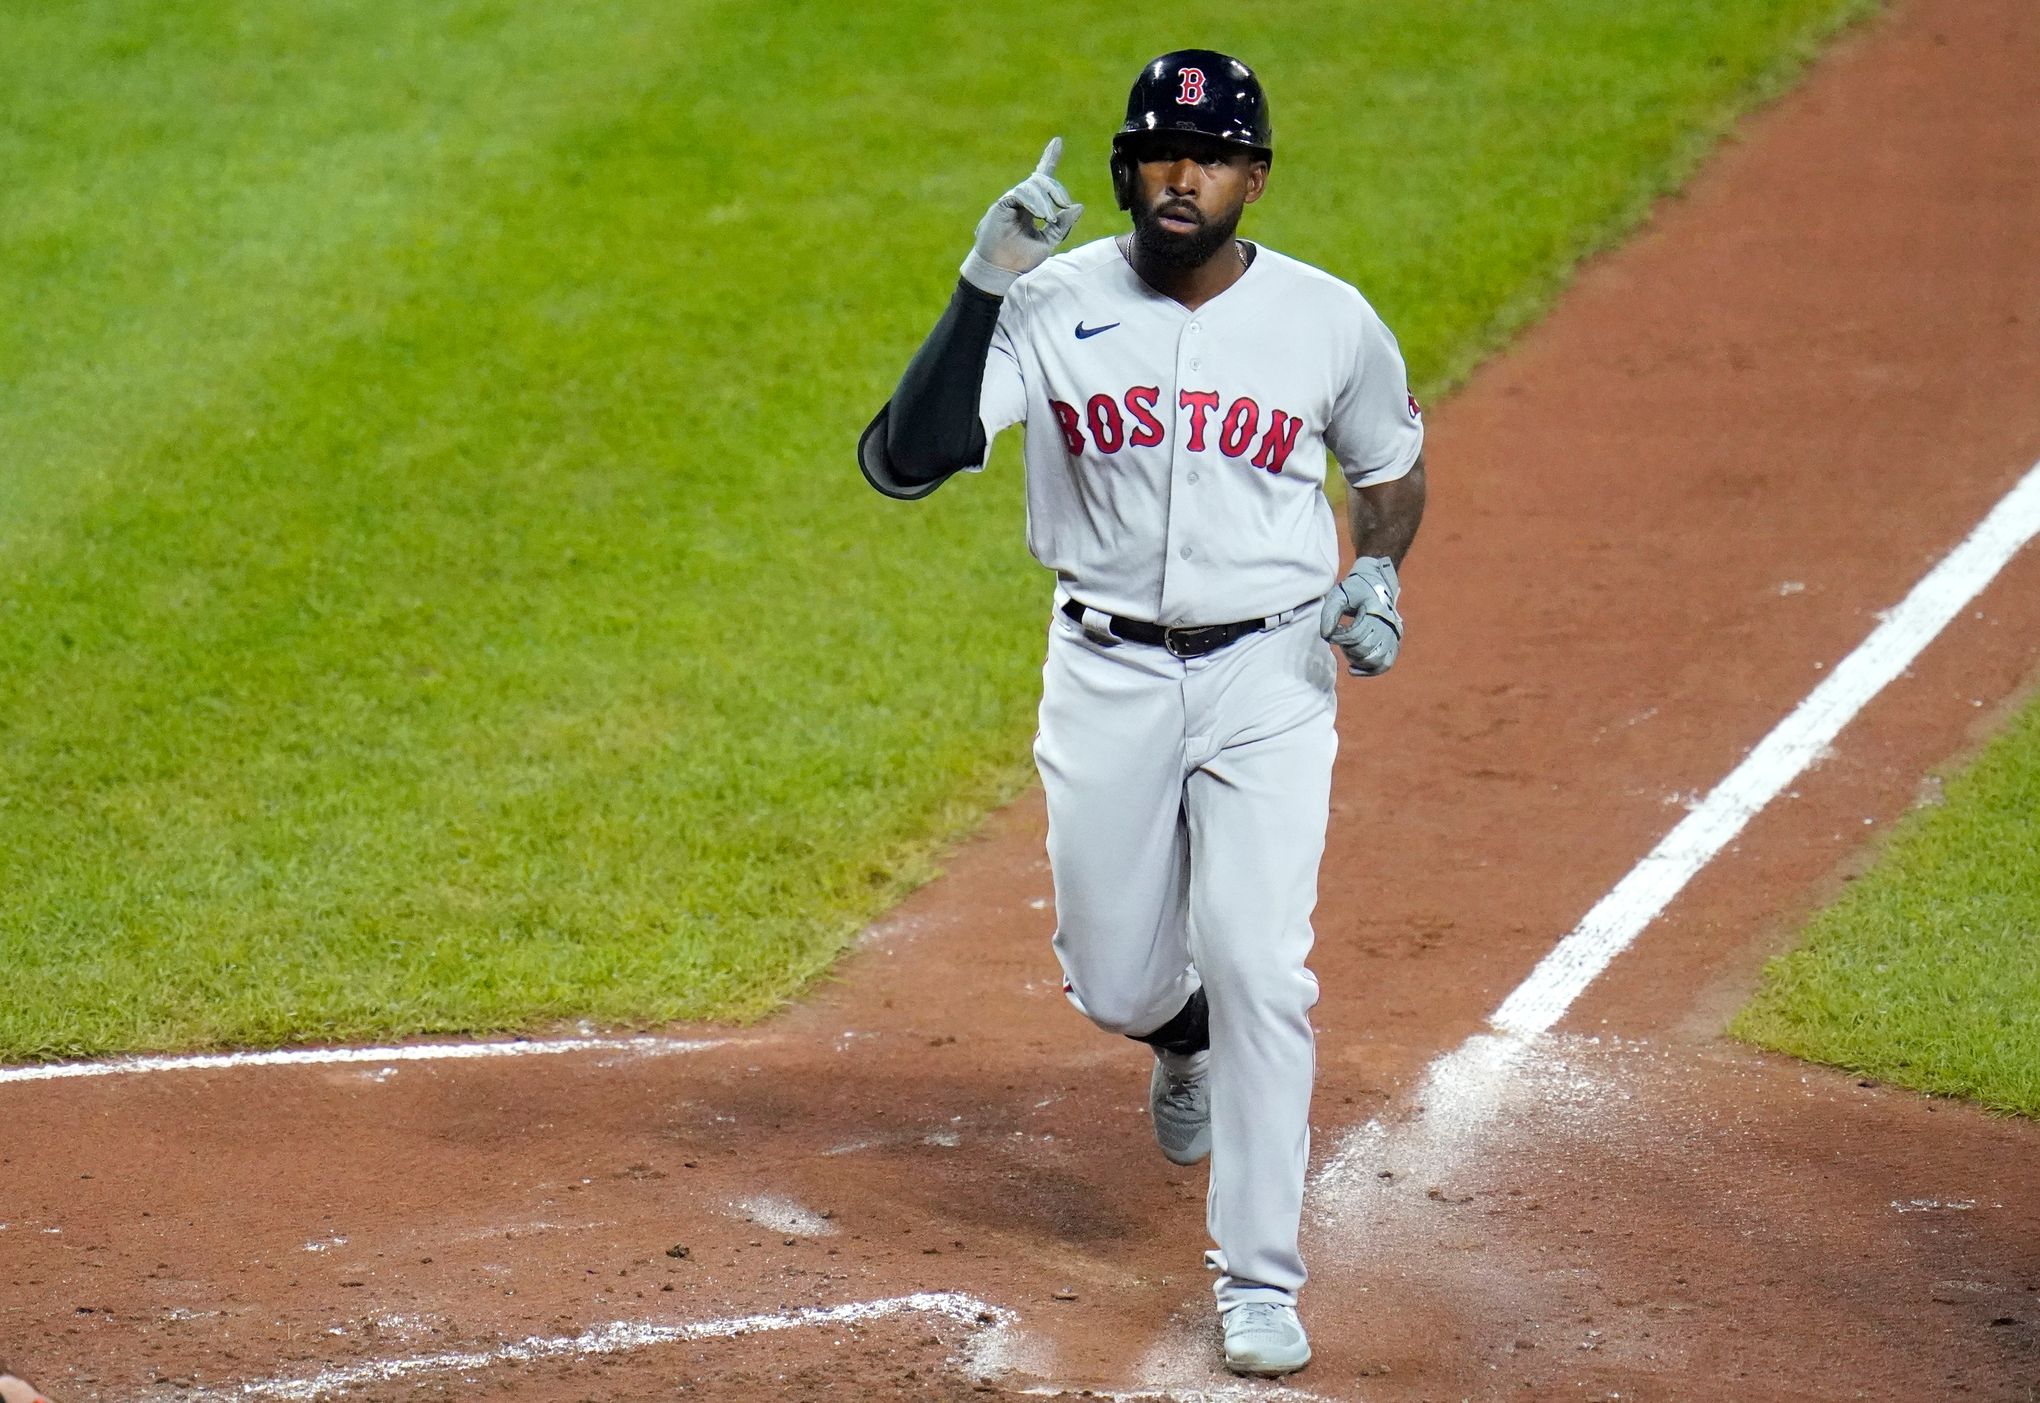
<point>1361,614</point>
<point>1377,430</point>
<point>1385,517</point>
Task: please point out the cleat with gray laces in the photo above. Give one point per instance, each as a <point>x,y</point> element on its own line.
<point>1179,1101</point>
<point>1265,1339</point>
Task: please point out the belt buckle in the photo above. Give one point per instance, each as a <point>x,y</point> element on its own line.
<point>1191,638</point>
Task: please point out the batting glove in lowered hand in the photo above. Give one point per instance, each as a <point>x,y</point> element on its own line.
<point>1022,227</point>
<point>1368,594</point>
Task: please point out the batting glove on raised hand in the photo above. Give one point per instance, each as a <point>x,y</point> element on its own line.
<point>1022,227</point>
<point>1374,637</point>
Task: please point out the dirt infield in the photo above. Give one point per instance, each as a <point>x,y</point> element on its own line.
<point>1655,523</point>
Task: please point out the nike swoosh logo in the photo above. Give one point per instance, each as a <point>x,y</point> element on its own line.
<point>1085,333</point>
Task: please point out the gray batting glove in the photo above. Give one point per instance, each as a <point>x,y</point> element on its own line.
<point>1368,593</point>
<point>1022,227</point>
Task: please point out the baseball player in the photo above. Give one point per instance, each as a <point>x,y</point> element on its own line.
<point>1182,390</point>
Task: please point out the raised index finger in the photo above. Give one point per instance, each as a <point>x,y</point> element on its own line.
<point>1050,154</point>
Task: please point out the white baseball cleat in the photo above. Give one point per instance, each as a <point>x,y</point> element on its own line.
<point>1179,1102</point>
<point>1265,1339</point>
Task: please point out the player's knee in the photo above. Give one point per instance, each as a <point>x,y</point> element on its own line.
<point>1107,987</point>
<point>1119,1013</point>
<point>1123,1009</point>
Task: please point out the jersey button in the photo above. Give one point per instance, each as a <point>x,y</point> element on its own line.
<point>1193,477</point>
<point>1185,552</point>
<point>1197,365</point>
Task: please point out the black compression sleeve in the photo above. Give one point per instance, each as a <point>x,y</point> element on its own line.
<point>930,428</point>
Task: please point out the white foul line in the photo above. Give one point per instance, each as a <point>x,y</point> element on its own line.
<point>316,1056</point>
<point>619,1337</point>
<point>1462,1090</point>
<point>1797,742</point>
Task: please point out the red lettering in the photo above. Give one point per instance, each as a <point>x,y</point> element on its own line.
<point>1281,438</point>
<point>1066,419</point>
<point>1238,430</point>
<point>1199,403</point>
<point>1192,91</point>
<point>1140,403</point>
<point>1108,430</point>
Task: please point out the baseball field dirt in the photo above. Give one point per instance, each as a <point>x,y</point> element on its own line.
<point>1656,521</point>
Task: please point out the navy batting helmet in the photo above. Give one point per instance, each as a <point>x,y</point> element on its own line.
<point>1192,90</point>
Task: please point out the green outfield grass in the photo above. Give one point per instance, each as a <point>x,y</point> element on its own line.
<point>435,588</point>
<point>1927,972</point>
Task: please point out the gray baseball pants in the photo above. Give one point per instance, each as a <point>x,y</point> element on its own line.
<point>1187,801</point>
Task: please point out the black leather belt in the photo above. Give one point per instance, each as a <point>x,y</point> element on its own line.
<point>1181,642</point>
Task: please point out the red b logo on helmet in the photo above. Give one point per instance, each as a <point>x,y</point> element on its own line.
<point>1192,91</point>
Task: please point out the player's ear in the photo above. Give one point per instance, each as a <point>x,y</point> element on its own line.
<point>1257,180</point>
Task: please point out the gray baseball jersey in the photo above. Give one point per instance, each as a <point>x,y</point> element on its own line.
<point>1176,458</point>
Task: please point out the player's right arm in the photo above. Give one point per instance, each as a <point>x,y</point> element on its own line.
<point>935,424</point>
<point>931,429</point>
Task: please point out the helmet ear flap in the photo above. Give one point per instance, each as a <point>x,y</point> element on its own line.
<point>1122,178</point>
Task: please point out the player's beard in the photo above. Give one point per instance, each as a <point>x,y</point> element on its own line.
<point>1174,250</point>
